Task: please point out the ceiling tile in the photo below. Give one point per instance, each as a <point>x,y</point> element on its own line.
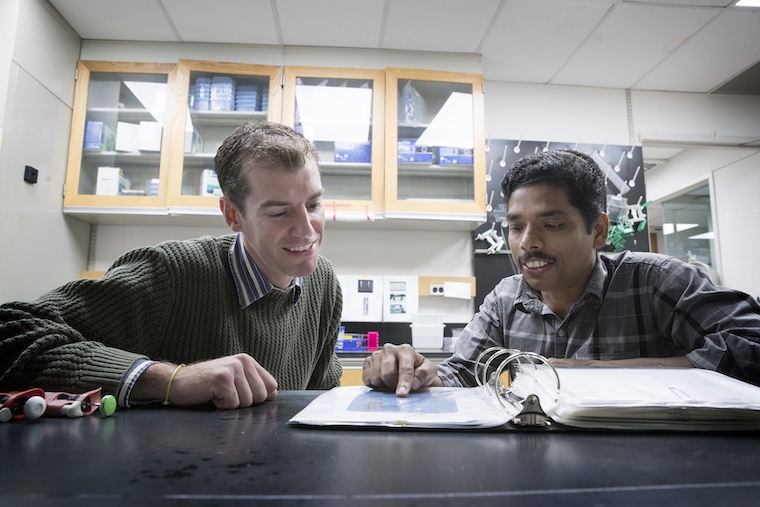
<point>532,39</point>
<point>136,20</point>
<point>224,21</point>
<point>632,40</point>
<point>726,47</point>
<point>334,23</point>
<point>438,25</point>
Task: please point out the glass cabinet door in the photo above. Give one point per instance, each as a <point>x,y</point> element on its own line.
<point>435,145</point>
<point>118,138</point>
<point>217,98</point>
<point>340,111</point>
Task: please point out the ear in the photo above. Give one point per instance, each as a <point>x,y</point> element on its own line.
<point>230,213</point>
<point>601,230</point>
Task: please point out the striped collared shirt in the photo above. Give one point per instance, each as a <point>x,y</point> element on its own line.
<point>635,305</point>
<point>250,282</point>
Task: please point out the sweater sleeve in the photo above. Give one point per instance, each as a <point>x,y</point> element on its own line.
<point>328,370</point>
<point>87,333</point>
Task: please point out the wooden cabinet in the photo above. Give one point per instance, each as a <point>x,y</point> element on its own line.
<point>435,146</point>
<point>341,111</point>
<point>214,98</point>
<point>118,158</point>
<point>397,145</point>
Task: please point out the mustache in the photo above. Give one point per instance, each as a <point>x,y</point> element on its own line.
<point>534,255</point>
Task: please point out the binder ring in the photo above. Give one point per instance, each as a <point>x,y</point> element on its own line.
<point>512,355</point>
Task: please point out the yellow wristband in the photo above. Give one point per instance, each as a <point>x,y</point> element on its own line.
<point>166,400</point>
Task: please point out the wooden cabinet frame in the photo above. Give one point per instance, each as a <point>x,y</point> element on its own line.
<point>398,208</point>
<point>73,201</point>
<point>197,204</point>
<point>384,202</point>
<point>375,204</point>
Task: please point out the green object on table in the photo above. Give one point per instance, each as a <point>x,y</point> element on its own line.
<point>107,405</point>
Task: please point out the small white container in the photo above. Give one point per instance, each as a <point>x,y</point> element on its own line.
<point>427,330</point>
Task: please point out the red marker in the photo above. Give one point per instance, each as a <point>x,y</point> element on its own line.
<point>61,404</point>
<point>28,404</point>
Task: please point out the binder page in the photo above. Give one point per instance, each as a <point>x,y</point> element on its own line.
<point>655,398</point>
<point>436,407</point>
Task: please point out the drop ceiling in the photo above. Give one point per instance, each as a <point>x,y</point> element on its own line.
<point>702,46</point>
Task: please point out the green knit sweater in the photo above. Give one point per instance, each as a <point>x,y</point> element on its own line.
<point>175,302</point>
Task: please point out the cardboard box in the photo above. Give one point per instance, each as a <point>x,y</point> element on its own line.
<point>210,183</point>
<point>111,181</point>
<point>150,136</point>
<point>408,151</point>
<point>454,156</point>
<point>127,136</point>
<point>353,152</point>
<point>98,137</point>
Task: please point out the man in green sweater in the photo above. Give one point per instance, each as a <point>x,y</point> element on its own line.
<point>248,313</point>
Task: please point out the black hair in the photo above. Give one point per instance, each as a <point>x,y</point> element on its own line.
<point>573,171</point>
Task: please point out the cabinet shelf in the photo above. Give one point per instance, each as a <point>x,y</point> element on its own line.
<point>345,169</point>
<point>131,115</point>
<point>118,158</point>
<point>435,170</point>
<point>224,119</point>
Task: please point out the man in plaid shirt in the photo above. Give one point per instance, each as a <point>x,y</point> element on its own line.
<point>580,307</point>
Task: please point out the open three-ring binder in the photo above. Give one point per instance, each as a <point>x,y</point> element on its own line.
<point>523,390</point>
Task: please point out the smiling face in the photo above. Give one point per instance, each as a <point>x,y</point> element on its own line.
<point>551,245</point>
<point>284,220</point>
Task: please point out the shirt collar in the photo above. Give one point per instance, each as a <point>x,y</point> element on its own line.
<point>251,284</point>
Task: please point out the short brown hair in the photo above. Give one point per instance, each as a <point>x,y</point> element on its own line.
<point>261,144</point>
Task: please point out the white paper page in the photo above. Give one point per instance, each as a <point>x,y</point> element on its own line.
<point>655,398</point>
<point>401,298</point>
<point>363,298</point>
<point>438,407</point>
<point>627,387</point>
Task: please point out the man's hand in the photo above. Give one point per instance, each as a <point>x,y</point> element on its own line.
<point>227,382</point>
<point>399,368</point>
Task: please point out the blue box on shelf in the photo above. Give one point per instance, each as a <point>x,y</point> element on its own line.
<point>353,152</point>
<point>454,156</point>
<point>98,137</point>
<point>352,343</point>
<point>409,151</point>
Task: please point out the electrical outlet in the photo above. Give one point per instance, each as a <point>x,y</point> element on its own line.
<point>435,289</point>
<point>30,174</point>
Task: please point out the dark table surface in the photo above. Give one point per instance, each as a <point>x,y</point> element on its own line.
<point>201,456</point>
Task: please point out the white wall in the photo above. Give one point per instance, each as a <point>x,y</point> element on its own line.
<point>352,252</point>
<point>696,118</point>
<point>170,52</point>
<point>8,17</point>
<point>39,247</point>
<point>569,114</point>
<point>716,122</point>
<point>737,190</point>
<point>734,178</point>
